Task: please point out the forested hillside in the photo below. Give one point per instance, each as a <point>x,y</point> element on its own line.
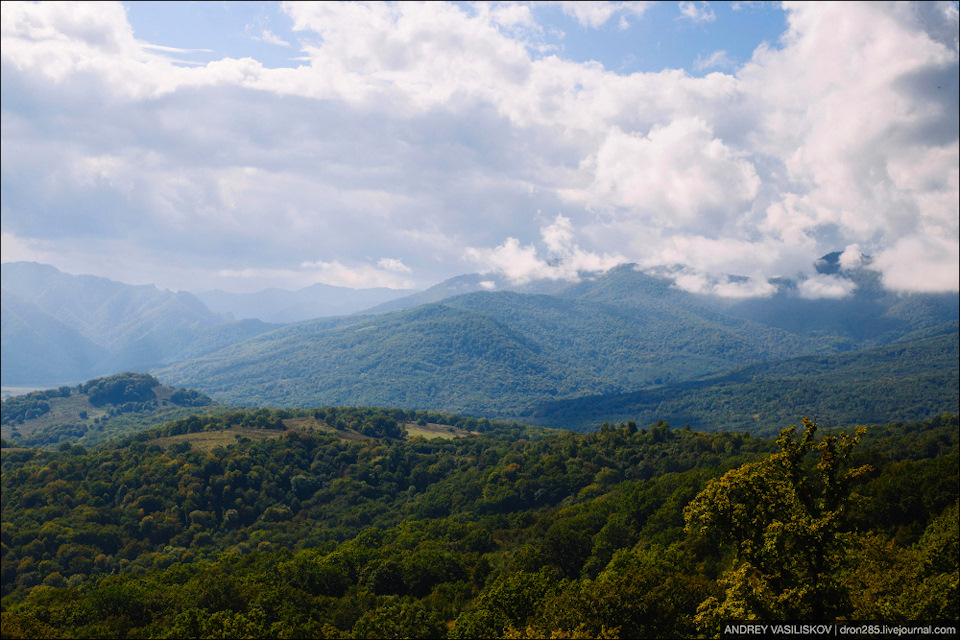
<point>96,411</point>
<point>458,347</point>
<point>482,353</point>
<point>509,355</point>
<point>904,381</point>
<point>337,523</point>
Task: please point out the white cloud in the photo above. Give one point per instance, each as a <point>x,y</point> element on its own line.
<point>678,176</point>
<point>723,286</point>
<point>564,258</point>
<point>596,14</point>
<point>847,132</point>
<point>825,286</point>
<point>697,14</point>
<point>512,16</point>
<point>725,255</point>
<point>394,265</point>
<point>423,132</point>
<point>851,258</point>
<point>920,264</point>
<point>718,59</point>
<point>517,263</point>
<point>61,40</point>
<point>271,38</point>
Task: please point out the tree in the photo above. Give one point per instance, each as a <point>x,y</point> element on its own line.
<point>783,519</point>
<point>889,582</point>
<point>400,619</point>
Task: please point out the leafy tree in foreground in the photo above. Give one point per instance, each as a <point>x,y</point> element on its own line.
<point>784,521</point>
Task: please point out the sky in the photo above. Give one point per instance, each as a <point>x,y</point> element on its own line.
<point>245,145</point>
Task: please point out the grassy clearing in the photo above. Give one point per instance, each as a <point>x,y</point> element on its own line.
<point>431,430</point>
<point>413,431</point>
<point>209,440</point>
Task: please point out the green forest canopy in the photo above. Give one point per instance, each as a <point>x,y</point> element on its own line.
<point>324,531</point>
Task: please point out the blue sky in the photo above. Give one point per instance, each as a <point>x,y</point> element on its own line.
<point>662,36</point>
<point>201,145</point>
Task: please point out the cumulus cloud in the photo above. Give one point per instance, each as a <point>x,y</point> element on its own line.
<point>429,135</point>
<point>826,286</point>
<point>851,258</point>
<point>679,175</point>
<point>563,259</point>
<point>77,42</point>
<point>697,14</point>
<point>921,263</point>
<point>868,145</point>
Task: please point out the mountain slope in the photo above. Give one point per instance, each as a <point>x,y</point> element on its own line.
<point>903,381</point>
<point>490,353</point>
<point>428,357</point>
<point>111,314</point>
<point>36,348</point>
<point>467,283</point>
<point>502,353</point>
<point>871,315</point>
<point>96,411</point>
<point>61,328</point>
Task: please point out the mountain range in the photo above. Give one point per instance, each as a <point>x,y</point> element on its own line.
<point>59,328</point>
<point>508,354</point>
<point>550,352</point>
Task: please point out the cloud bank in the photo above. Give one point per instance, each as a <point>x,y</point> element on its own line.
<point>419,141</point>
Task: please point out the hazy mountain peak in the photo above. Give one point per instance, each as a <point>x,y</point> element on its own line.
<point>60,327</point>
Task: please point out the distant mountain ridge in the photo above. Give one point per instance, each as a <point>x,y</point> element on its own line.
<point>109,313</point>
<point>284,306</point>
<point>502,354</point>
<point>59,328</point>
<point>478,345</point>
<point>36,347</point>
<point>467,283</point>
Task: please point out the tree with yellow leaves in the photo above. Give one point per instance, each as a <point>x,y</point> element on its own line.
<point>782,517</point>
